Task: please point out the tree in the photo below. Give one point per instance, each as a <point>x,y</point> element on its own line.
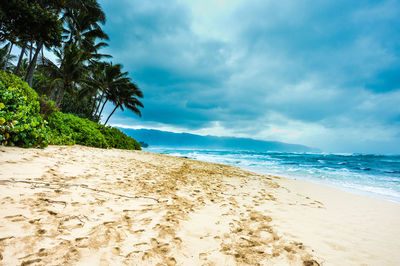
<point>83,25</point>
<point>66,73</point>
<point>126,96</point>
<point>76,81</point>
<point>34,21</point>
<point>40,22</point>
<point>20,59</point>
<point>83,29</point>
<point>107,78</point>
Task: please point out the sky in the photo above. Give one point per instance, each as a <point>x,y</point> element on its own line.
<point>325,74</point>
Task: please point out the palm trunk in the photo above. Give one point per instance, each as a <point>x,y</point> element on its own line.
<point>8,56</point>
<point>31,68</point>
<point>98,106</point>
<point>53,94</point>
<point>60,97</point>
<point>101,111</point>
<point>93,106</point>
<point>61,94</point>
<point>11,46</point>
<point>111,113</point>
<point>21,56</point>
<point>30,52</point>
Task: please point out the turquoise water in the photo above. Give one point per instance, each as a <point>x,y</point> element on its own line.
<point>368,174</point>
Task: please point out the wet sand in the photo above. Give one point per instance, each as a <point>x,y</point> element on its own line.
<point>86,206</point>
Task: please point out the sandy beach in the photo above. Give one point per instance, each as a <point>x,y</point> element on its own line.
<point>85,206</point>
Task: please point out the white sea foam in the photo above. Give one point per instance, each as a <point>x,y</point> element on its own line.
<point>373,175</point>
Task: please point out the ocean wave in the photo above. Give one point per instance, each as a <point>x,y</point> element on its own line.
<point>372,174</point>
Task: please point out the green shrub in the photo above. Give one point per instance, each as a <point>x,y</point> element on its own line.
<point>68,129</point>
<point>12,81</point>
<point>20,121</point>
<point>47,107</point>
<point>117,139</point>
<point>74,130</point>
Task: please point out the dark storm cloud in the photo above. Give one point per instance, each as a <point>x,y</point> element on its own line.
<point>315,69</point>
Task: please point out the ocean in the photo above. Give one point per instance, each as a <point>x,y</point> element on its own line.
<point>367,174</point>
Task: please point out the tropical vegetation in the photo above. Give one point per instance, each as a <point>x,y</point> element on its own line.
<point>66,93</point>
<point>27,120</point>
<point>20,120</point>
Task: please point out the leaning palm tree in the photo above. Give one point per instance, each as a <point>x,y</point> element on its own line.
<point>126,96</point>
<point>106,80</point>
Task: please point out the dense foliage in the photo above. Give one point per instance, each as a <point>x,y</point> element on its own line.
<point>68,129</point>
<point>71,90</point>
<point>117,139</point>
<point>20,120</point>
<point>76,80</point>
<point>30,20</point>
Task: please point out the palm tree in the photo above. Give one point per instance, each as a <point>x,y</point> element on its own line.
<point>83,26</point>
<point>91,49</point>
<point>106,80</point>
<point>52,16</point>
<point>66,73</point>
<point>83,29</point>
<point>90,6</point>
<point>126,96</point>
<point>20,58</point>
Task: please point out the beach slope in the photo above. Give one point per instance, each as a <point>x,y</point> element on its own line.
<point>86,206</point>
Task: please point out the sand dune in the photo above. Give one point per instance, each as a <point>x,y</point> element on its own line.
<point>86,206</point>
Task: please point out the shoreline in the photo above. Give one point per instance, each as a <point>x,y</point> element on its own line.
<point>266,171</point>
<point>86,205</point>
<point>333,186</point>
<point>283,177</point>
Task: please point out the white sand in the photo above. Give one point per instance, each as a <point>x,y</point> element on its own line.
<point>86,206</point>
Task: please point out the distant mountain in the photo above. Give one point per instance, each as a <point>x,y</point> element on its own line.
<point>184,140</point>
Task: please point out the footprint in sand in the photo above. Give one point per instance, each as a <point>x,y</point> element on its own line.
<point>310,263</point>
<point>16,218</point>
<point>145,221</point>
<point>29,262</point>
<point>82,242</point>
<point>177,241</point>
<point>138,231</point>
<point>203,256</point>
<point>171,261</point>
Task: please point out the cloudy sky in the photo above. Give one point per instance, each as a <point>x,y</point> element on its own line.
<point>320,73</point>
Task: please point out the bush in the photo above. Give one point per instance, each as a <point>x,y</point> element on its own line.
<point>68,129</point>
<point>77,105</point>
<point>20,121</point>
<point>74,130</point>
<point>117,139</point>
<point>47,107</point>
